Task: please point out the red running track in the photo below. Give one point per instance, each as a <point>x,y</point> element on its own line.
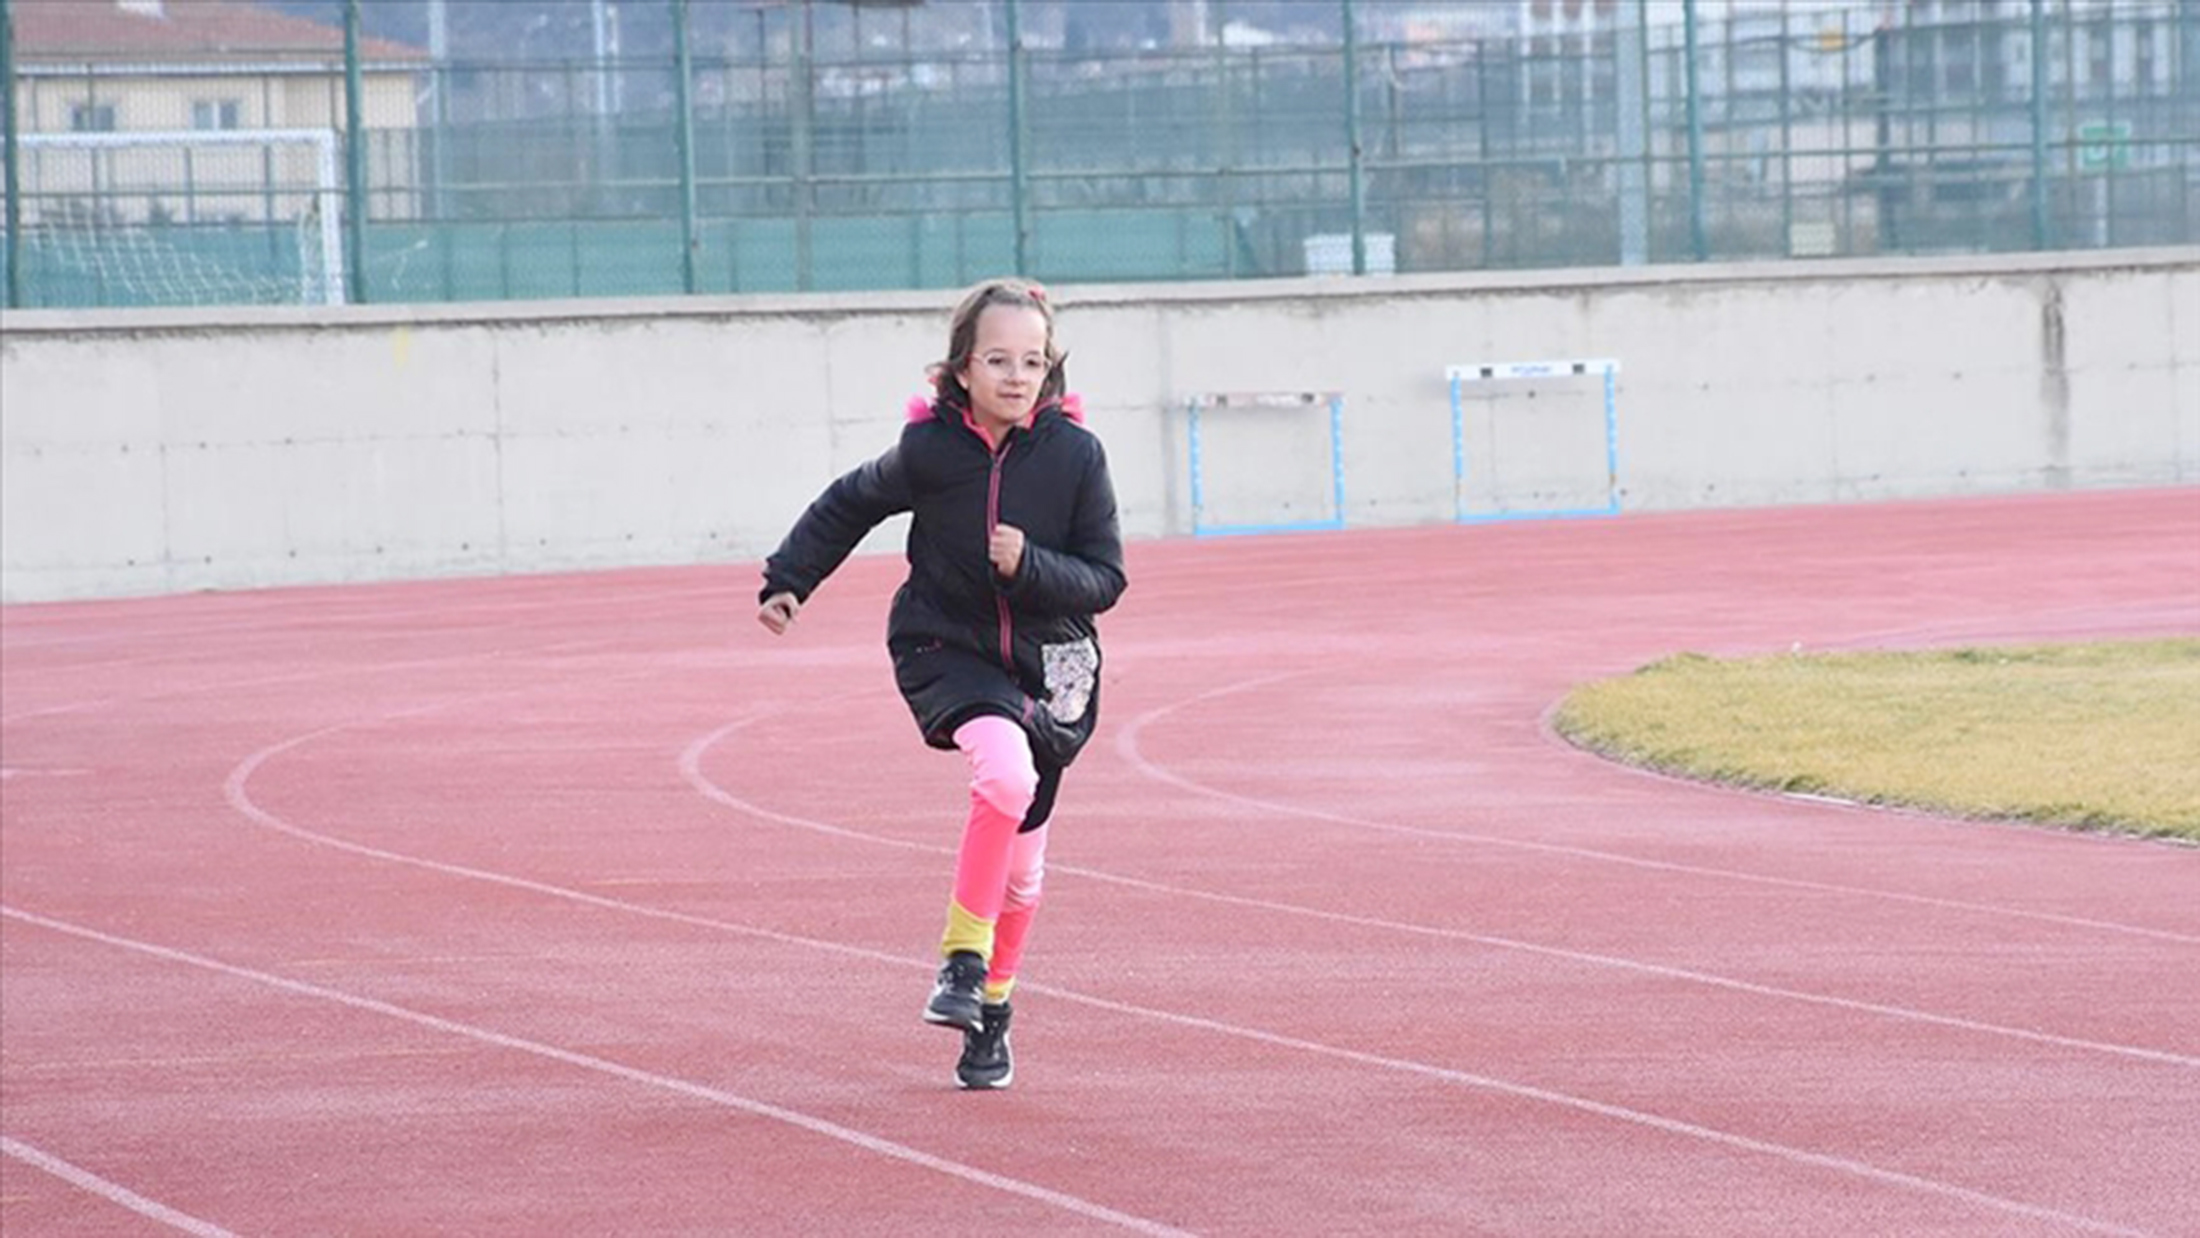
<point>562,905</point>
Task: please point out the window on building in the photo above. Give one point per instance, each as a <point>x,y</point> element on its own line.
<point>92,118</point>
<point>1960,58</point>
<point>2101,65</point>
<point>216,114</point>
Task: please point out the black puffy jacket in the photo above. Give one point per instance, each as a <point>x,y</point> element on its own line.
<point>965,641</point>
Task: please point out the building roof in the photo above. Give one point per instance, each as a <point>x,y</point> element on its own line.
<point>198,31</point>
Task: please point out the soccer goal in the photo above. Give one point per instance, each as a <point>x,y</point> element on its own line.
<point>214,217</point>
<point>1549,447</point>
<point>1266,461</point>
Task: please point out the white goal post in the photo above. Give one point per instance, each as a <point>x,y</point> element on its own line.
<point>122,209</point>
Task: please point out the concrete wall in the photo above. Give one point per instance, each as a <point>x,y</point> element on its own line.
<point>151,451</point>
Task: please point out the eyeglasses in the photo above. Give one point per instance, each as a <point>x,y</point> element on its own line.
<point>1001,365</point>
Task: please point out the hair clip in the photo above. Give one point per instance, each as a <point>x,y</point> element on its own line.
<point>1039,294</point>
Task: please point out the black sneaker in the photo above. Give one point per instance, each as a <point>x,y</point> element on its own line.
<point>985,1062</point>
<point>959,992</point>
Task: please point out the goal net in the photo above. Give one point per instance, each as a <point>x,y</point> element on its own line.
<point>216,217</point>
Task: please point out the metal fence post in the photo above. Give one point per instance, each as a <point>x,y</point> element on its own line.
<point>1699,243</point>
<point>1482,169</point>
<point>439,60</point>
<point>1890,197</point>
<point>2184,76</point>
<point>439,134</point>
<point>1017,190</point>
<point>684,130</point>
<point>2039,125</point>
<point>1226,156</point>
<point>1787,143</point>
<point>606,171</point>
<point>1357,174</point>
<point>2105,188</point>
<point>355,162</point>
<point>14,173</point>
<point>802,116</point>
<point>1630,134</point>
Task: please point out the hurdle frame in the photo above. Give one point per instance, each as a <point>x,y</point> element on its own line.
<point>1265,399</point>
<point>1457,376</point>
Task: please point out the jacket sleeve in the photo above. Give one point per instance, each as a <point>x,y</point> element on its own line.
<point>1085,576</point>
<point>829,529</point>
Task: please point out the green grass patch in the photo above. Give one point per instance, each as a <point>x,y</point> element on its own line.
<point>2093,736</point>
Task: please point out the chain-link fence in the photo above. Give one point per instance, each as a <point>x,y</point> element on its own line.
<point>764,158</point>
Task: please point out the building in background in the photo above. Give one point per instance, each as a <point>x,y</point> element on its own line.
<point>124,105</point>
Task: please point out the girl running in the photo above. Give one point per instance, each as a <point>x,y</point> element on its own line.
<point>1013,548</point>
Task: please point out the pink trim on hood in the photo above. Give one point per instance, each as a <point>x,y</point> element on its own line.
<point>925,408</point>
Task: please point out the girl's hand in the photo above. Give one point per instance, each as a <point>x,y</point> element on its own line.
<point>1006,549</point>
<point>778,612</point>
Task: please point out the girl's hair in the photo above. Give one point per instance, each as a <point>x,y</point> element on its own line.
<point>962,339</point>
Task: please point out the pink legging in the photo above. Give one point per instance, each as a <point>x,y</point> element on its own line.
<point>998,872</point>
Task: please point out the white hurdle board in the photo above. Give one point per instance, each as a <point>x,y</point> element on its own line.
<point>1208,403</point>
<point>1459,377</point>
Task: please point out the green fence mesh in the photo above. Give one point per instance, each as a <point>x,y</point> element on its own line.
<point>1785,132</point>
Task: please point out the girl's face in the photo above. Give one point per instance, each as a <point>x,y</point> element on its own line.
<point>1007,365</point>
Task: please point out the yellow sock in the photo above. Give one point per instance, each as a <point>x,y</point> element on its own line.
<point>996,991</point>
<point>966,932</point>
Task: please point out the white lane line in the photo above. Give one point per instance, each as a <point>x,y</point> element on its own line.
<point>696,1091</point>
<point>1126,746</point>
<point>235,792</point>
<point>561,609</point>
<point>115,1193</point>
<point>1602,1109</point>
<point>230,686</point>
<point>234,789</point>
<point>242,801</point>
<point>691,770</point>
<point>555,603</point>
<point>1663,971</point>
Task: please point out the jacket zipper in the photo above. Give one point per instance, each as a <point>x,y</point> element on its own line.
<point>992,522</point>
